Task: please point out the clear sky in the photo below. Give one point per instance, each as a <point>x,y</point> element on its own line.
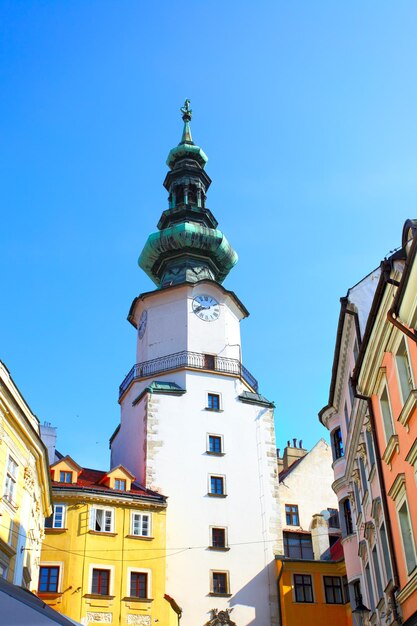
<point>308,114</point>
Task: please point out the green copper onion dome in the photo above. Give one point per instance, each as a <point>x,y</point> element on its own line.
<point>188,246</point>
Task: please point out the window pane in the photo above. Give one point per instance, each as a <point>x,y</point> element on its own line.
<point>219,582</point>
<point>138,585</point>
<point>406,533</point>
<point>386,414</point>
<point>218,537</point>
<point>404,372</point>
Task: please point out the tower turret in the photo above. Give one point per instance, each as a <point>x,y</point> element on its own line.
<point>188,246</point>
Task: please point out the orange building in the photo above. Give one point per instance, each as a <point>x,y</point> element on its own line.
<point>313,592</point>
<point>386,373</point>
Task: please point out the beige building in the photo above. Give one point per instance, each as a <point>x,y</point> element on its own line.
<point>25,497</point>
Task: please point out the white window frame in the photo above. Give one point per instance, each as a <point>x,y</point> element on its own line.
<point>120,480</point>
<point>139,570</point>
<point>94,566</point>
<point>226,538</point>
<point>214,393</point>
<point>399,494</point>
<point>141,514</point>
<point>208,443</point>
<point>383,388</point>
<point>93,517</point>
<point>403,341</point>
<point>212,493</point>
<point>64,515</point>
<point>10,480</point>
<point>220,571</point>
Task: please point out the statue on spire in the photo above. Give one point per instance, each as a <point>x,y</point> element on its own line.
<point>186,111</point>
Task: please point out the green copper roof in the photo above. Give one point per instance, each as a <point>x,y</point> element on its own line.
<point>193,238</point>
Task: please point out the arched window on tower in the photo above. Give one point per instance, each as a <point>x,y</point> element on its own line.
<point>179,195</point>
<point>192,194</point>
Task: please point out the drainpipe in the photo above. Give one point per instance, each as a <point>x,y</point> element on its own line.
<point>392,317</point>
<point>384,500</point>
<point>279,595</point>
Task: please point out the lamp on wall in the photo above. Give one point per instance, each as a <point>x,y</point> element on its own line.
<point>361,613</point>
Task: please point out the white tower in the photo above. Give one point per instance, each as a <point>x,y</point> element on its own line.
<point>193,424</point>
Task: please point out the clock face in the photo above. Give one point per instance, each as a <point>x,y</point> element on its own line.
<point>206,308</point>
<point>142,323</point>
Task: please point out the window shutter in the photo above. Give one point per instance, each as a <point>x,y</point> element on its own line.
<point>92,521</point>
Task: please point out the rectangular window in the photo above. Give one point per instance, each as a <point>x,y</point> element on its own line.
<point>139,585</point>
<point>370,446</point>
<point>215,444</point>
<point>303,588</point>
<point>333,589</point>
<point>217,485</point>
<point>291,515</point>
<point>347,517</point>
<point>57,519</point>
<point>351,394</point>
<point>120,484</point>
<point>298,546</point>
<point>220,583</point>
<point>370,588</point>
<point>363,476</point>
<point>48,579</point>
<point>101,520</point>
<point>141,524</point>
<point>65,477</point>
<point>346,417</point>
<point>406,534</point>
<point>213,401</point>
<point>100,584</point>
<point>357,499</point>
<point>338,450</point>
<point>386,415</point>
<point>333,520</point>
<point>377,573</point>
<point>385,552</point>
<point>11,478</point>
<point>218,537</point>
<point>209,362</point>
<point>404,371</point>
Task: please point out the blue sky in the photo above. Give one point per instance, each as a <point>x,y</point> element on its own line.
<point>307,112</point>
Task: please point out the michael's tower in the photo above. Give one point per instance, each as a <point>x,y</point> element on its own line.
<point>193,424</point>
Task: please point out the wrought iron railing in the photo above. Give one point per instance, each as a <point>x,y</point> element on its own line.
<point>194,360</point>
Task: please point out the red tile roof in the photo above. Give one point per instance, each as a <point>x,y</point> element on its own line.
<point>90,479</point>
<point>336,551</point>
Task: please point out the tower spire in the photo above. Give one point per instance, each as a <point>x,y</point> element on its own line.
<point>186,117</point>
<point>188,246</point>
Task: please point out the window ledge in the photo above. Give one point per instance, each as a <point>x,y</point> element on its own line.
<point>49,594</point>
<point>218,548</point>
<point>98,596</point>
<point>135,599</point>
<point>139,537</point>
<point>217,495</point>
<point>55,531</point>
<point>207,408</point>
<point>391,449</point>
<point>7,549</point>
<point>220,595</point>
<point>102,532</point>
<point>10,504</point>
<point>406,411</point>
<point>214,453</point>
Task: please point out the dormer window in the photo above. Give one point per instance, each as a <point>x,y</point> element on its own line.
<point>65,477</point>
<point>120,484</point>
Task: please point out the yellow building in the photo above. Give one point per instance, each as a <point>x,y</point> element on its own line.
<point>103,558</point>
<point>313,592</point>
<point>25,497</point>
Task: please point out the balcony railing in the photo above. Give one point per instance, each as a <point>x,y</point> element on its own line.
<point>194,360</point>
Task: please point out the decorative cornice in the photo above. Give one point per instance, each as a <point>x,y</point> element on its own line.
<point>412,454</point>
<point>407,410</point>
<point>397,487</point>
<point>392,448</point>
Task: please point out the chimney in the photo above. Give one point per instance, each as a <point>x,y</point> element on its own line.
<point>280,461</point>
<point>320,537</point>
<point>48,436</point>
<point>292,454</point>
